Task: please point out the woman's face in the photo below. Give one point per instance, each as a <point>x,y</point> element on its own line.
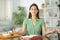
<point>33,10</point>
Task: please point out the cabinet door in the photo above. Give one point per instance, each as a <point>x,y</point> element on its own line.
<point>51,17</point>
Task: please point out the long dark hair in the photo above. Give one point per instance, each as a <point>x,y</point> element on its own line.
<point>37,12</point>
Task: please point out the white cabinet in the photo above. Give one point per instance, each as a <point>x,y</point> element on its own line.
<point>51,16</point>
<point>50,13</point>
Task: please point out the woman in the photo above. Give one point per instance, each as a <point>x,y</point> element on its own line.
<point>33,25</point>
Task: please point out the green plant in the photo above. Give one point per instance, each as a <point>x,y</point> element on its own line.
<point>19,17</point>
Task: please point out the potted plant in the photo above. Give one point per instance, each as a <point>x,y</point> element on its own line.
<point>19,17</point>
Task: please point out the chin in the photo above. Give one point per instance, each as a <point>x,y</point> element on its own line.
<point>33,15</point>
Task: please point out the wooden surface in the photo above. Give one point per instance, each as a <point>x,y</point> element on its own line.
<point>9,36</point>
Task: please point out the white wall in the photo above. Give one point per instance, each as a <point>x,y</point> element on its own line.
<point>27,3</point>
<point>2,9</point>
<point>15,4</point>
<point>9,9</point>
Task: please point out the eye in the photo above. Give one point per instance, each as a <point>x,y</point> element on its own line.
<point>31,8</point>
<point>35,8</point>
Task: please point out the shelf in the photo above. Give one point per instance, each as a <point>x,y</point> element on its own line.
<point>49,17</point>
<point>51,8</point>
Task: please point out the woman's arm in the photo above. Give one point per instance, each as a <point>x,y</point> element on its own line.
<point>23,31</point>
<point>44,31</point>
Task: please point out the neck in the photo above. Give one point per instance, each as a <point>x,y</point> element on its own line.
<point>33,20</point>
<point>33,17</point>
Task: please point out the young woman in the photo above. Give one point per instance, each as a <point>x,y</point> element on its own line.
<point>33,25</point>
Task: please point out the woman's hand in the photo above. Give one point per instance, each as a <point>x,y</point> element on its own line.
<point>54,31</point>
<point>14,31</point>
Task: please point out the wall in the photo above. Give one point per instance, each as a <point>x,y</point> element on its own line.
<point>2,9</point>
